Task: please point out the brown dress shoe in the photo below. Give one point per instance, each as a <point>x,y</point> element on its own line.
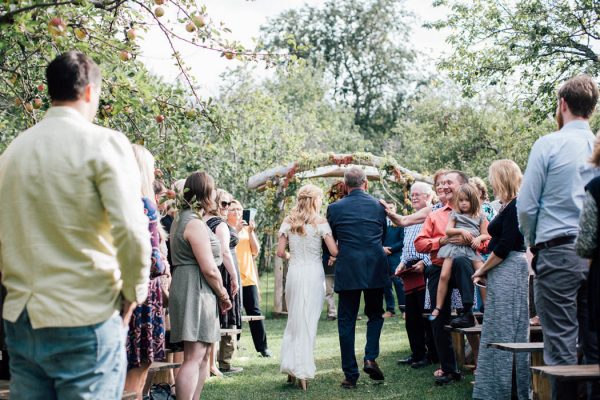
<point>347,384</point>
<point>372,369</point>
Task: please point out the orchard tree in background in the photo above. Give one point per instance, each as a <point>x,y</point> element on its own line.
<point>444,130</point>
<point>528,45</point>
<point>362,47</point>
<point>167,118</point>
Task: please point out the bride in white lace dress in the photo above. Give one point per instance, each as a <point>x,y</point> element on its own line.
<point>303,230</point>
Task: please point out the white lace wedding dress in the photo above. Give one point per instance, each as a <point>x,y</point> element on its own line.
<point>304,294</point>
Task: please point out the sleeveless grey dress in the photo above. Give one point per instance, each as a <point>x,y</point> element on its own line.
<point>193,305</point>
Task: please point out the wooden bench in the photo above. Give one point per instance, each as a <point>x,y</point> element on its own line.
<point>4,389</point>
<point>539,384</point>
<point>565,373</point>
<point>156,367</point>
<point>230,332</point>
<point>248,318</point>
<point>458,340</point>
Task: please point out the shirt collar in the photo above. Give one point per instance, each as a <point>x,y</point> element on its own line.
<point>577,124</point>
<point>64,112</point>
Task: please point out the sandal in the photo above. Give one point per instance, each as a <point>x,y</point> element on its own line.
<point>438,373</point>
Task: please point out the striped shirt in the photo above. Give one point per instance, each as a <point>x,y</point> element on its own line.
<point>409,253</point>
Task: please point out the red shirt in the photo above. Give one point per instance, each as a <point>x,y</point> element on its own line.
<point>434,228</point>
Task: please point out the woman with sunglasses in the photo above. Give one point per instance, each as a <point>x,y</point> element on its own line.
<point>215,222</point>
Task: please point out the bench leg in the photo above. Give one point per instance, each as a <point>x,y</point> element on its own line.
<point>148,384</point>
<point>458,343</point>
<point>542,387</point>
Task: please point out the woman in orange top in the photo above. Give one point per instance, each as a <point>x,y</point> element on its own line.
<point>248,248</point>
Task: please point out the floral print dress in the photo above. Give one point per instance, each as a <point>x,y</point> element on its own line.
<point>146,336</point>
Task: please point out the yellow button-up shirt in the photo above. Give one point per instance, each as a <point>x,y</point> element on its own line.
<point>73,233</point>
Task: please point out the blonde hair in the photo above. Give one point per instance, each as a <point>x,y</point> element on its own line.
<point>480,184</point>
<point>145,162</point>
<point>505,177</point>
<point>221,194</point>
<point>306,210</point>
<point>472,194</point>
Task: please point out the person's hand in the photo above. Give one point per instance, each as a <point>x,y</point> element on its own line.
<point>479,277</point>
<point>127,308</point>
<point>287,255</point>
<point>225,305</point>
<point>399,269</point>
<point>386,206</point>
<point>480,280</point>
<point>387,250</point>
<point>235,288</point>
<point>331,261</point>
<point>420,267</point>
<point>459,240</point>
<point>467,236</point>
<point>251,226</point>
<point>476,242</point>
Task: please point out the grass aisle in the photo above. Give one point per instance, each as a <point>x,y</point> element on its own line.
<point>261,378</point>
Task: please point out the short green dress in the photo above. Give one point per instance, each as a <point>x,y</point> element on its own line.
<point>193,307</point>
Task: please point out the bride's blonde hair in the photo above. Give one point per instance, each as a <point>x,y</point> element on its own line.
<point>306,210</point>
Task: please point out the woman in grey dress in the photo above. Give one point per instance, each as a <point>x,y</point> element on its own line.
<point>506,308</point>
<point>197,293</point>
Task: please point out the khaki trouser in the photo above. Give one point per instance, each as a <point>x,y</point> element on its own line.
<point>331,310</point>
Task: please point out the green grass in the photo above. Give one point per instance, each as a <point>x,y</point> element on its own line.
<point>261,378</point>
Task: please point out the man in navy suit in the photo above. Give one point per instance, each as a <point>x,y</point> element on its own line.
<point>358,223</point>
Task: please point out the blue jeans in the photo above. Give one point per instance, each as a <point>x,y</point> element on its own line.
<point>86,362</point>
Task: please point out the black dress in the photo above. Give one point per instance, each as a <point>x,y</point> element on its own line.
<point>232,317</point>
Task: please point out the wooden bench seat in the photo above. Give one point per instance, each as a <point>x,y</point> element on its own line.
<point>458,340</point>
<point>230,332</point>
<point>564,373</point>
<point>155,367</point>
<point>540,384</point>
<point>248,318</point>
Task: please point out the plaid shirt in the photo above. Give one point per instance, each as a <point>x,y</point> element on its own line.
<point>409,253</point>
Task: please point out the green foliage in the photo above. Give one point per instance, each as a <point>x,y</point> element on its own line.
<point>361,45</point>
<point>270,124</point>
<point>133,101</point>
<point>442,132</point>
<point>534,43</point>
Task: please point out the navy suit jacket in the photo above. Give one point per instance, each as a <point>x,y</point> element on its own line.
<point>358,223</point>
<point>394,238</point>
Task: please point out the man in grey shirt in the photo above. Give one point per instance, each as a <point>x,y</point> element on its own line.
<point>548,207</point>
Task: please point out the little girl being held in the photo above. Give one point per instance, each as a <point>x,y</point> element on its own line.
<point>470,223</point>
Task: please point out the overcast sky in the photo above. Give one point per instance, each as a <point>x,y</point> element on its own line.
<point>244,18</point>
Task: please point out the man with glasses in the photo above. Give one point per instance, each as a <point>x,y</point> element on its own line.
<point>411,269</point>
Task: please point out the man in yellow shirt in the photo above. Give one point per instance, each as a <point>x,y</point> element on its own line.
<point>74,244</point>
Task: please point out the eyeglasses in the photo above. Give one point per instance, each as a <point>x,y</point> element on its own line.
<point>225,204</point>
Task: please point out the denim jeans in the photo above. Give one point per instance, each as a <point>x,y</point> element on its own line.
<point>86,362</point>
<point>388,292</point>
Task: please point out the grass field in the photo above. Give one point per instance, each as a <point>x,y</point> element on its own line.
<point>261,378</point>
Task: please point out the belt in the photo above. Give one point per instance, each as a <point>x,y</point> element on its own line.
<point>559,241</point>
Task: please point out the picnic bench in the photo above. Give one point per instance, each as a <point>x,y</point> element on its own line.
<point>458,340</point>
<point>565,373</point>
<point>539,383</point>
<point>248,318</point>
<point>156,367</point>
<point>230,332</point>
